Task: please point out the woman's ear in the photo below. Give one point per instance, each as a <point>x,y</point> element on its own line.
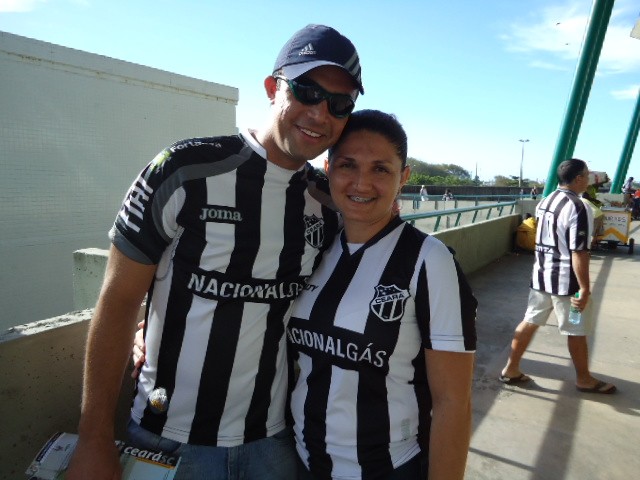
<point>404,178</point>
<point>326,165</point>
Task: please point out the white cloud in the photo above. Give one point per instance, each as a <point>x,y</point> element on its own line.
<point>19,5</point>
<point>630,93</point>
<point>548,65</point>
<point>620,52</point>
<point>557,30</point>
<point>556,34</point>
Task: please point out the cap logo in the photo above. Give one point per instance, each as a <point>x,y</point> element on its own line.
<point>308,50</point>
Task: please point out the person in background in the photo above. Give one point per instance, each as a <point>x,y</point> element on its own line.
<point>534,193</point>
<point>526,234</point>
<point>416,202</point>
<point>635,212</point>
<point>221,232</point>
<point>627,190</point>
<point>384,331</point>
<point>424,195</point>
<point>447,195</point>
<point>560,270</point>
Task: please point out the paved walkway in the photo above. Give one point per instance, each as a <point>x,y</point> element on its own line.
<point>548,430</point>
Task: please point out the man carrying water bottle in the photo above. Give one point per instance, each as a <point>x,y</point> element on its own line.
<point>560,278</point>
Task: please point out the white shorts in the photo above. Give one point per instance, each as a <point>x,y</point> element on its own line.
<point>542,303</point>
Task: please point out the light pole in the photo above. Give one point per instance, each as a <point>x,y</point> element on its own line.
<point>522,161</point>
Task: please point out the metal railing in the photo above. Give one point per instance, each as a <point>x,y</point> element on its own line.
<point>477,197</point>
<point>498,208</point>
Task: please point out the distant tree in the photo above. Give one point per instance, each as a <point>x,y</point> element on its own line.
<point>419,179</point>
<point>457,171</point>
<point>502,181</point>
<point>422,168</point>
<point>415,164</point>
<point>449,180</point>
<point>513,181</point>
<point>423,173</point>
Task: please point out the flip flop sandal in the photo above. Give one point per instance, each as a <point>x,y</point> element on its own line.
<point>522,378</point>
<point>597,388</point>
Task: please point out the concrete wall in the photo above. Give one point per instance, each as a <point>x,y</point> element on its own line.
<point>480,244</point>
<point>75,129</point>
<point>88,271</point>
<point>41,385</point>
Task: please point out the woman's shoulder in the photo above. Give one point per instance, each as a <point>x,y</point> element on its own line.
<point>428,241</point>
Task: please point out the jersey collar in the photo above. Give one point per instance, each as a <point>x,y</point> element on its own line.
<point>395,221</point>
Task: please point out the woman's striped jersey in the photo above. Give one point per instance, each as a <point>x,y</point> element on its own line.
<point>234,237</point>
<point>359,330</point>
<point>564,225</point>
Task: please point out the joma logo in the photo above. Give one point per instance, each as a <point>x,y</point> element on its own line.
<point>219,214</point>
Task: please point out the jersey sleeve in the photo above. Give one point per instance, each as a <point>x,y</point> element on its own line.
<point>445,304</point>
<point>146,222</point>
<point>580,227</point>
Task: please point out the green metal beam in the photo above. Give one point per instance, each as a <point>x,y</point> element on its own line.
<point>587,65</point>
<point>627,150</point>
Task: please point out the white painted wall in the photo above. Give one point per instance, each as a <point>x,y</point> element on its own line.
<point>75,128</point>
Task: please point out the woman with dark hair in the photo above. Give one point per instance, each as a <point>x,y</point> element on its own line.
<point>384,332</point>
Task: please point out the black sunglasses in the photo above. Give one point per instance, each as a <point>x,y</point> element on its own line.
<point>308,92</point>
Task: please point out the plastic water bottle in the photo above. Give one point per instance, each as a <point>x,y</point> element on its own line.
<point>575,316</point>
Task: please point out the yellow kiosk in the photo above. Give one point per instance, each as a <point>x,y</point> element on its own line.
<point>615,229</point>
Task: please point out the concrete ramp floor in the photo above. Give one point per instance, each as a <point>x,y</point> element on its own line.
<point>548,430</point>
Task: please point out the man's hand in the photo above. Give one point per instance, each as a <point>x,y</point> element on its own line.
<point>580,264</point>
<point>581,302</point>
<point>95,459</point>
<point>138,351</point>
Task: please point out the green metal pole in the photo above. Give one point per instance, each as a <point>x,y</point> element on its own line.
<point>627,150</point>
<point>587,65</point>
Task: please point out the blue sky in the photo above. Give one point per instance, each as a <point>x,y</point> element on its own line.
<point>468,79</point>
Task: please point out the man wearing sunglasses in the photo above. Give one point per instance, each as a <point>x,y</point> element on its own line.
<point>219,233</point>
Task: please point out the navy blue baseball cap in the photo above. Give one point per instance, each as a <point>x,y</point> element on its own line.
<point>317,45</point>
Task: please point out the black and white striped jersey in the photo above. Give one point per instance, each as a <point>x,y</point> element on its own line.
<point>234,237</point>
<point>361,404</point>
<point>565,224</point>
